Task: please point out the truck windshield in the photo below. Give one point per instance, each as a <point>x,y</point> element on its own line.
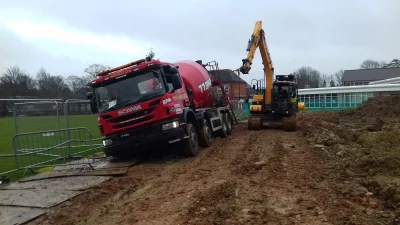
<point>129,91</point>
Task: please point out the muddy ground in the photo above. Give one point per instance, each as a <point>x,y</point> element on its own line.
<point>338,168</point>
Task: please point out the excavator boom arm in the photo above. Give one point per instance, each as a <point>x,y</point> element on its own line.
<point>257,40</point>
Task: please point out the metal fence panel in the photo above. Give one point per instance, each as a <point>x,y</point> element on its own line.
<point>241,109</point>
<point>77,113</point>
<point>42,149</point>
<point>37,116</point>
<point>49,133</point>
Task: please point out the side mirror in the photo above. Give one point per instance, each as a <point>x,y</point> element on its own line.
<point>173,70</point>
<point>176,81</point>
<point>170,70</point>
<point>89,95</point>
<point>93,106</point>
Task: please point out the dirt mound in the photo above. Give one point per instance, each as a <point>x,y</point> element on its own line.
<point>362,146</point>
<point>380,106</point>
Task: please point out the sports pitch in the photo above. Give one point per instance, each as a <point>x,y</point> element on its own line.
<point>42,140</point>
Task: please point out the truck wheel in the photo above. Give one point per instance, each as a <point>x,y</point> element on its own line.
<point>224,130</point>
<point>228,123</point>
<point>205,136</point>
<point>191,144</point>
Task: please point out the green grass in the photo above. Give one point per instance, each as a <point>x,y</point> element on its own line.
<point>240,115</point>
<point>37,141</point>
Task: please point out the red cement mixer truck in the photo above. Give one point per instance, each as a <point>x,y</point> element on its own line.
<point>149,102</point>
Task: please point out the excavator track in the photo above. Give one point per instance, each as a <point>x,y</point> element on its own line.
<point>289,124</point>
<point>254,122</point>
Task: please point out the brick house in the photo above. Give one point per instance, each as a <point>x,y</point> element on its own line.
<point>364,76</point>
<point>234,86</point>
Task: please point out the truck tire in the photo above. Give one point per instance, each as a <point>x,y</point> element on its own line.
<point>191,144</point>
<point>228,121</point>
<point>205,135</point>
<point>223,132</point>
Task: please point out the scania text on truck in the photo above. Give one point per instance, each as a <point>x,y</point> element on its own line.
<point>149,102</point>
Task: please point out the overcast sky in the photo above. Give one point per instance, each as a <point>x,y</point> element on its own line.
<point>66,36</point>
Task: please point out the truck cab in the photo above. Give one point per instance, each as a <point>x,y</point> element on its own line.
<point>145,104</point>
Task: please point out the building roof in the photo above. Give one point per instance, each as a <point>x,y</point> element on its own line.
<point>228,76</point>
<point>371,74</point>
<point>351,89</point>
<point>395,80</point>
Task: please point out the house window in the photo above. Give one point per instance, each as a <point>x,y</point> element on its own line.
<point>226,88</point>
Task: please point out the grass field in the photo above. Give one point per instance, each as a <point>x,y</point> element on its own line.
<point>42,140</point>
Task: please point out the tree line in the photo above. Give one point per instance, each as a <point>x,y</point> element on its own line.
<point>16,83</point>
<point>317,79</point>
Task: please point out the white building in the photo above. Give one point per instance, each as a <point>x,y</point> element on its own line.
<point>344,97</point>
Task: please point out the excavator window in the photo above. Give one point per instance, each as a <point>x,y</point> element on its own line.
<point>284,94</point>
<point>280,93</point>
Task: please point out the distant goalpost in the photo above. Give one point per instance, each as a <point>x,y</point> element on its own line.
<point>10,107</point>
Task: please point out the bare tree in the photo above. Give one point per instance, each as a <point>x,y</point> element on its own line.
<point>325,80</point>
<point>78,86</point>
<point>371,64</point>
<point>338,77</point>
<point>59,86</point>
<point>42,78</point>
<point>394,63</point>
<point>332,83</point>
<point>310,74</point>
<point>51,86</point>
<point>93,69</point>
<point>14,82</point>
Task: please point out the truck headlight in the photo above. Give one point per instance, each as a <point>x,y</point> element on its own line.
<point>107,142</point>
<point>168,126</point>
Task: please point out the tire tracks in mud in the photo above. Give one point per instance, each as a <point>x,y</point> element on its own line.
<point>251,177</point>
<point>272,179</point>
<point>240,197</point>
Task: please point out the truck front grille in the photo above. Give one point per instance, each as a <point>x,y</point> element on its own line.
<point>132,122</point>
<point>131,116</point>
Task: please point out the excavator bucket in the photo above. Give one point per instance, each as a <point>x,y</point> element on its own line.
<point>289,124</point>
<point>254,122</point>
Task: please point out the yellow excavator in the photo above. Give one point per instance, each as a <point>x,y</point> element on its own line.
<point>275,100</point>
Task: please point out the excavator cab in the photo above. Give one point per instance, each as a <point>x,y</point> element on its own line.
<point>284,96</point>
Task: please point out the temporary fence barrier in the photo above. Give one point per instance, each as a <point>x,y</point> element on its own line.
<point>42,149</point>
<point>45,134</point>
<point>241,109</point>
